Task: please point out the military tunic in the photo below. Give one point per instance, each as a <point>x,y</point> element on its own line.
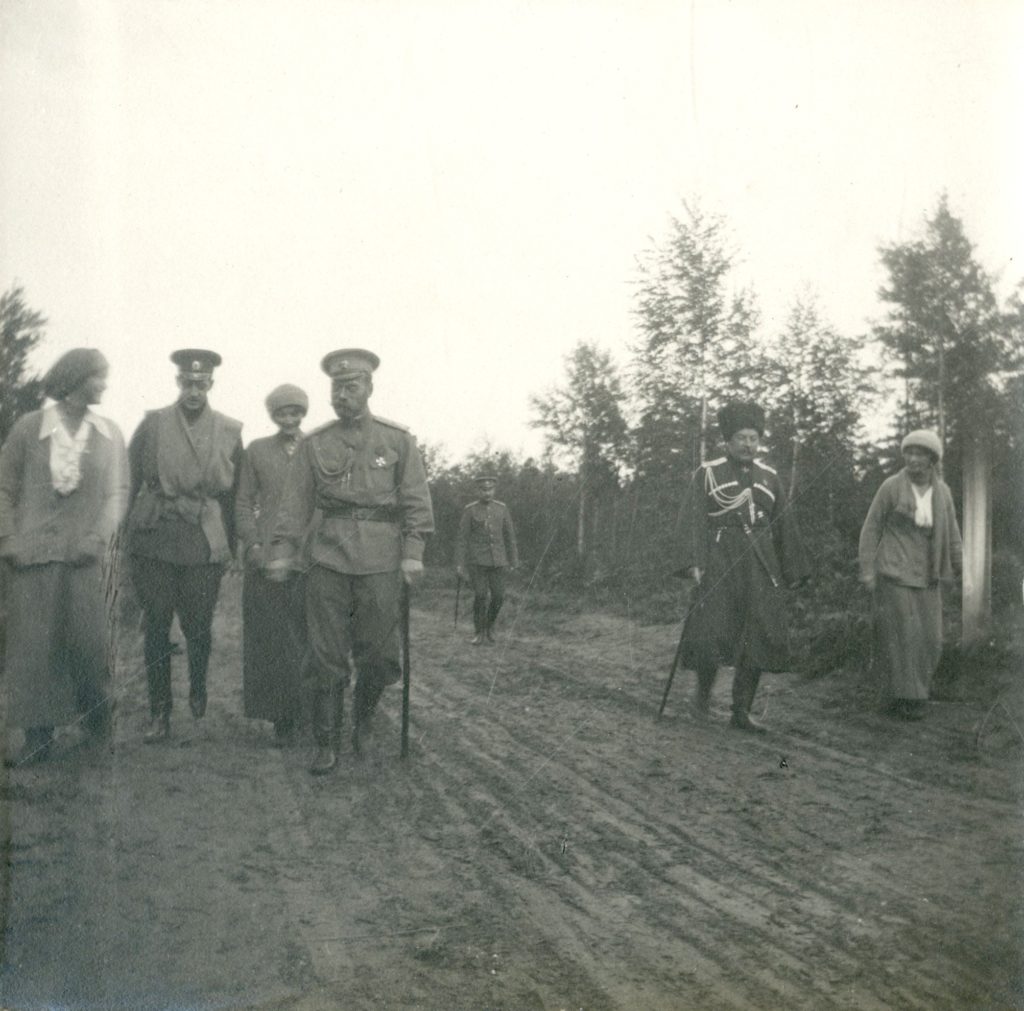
<point>181,534</point>
<point>367,480</point>
<point>487,544</point>
<point>737,528</point>
<point>486,536</point>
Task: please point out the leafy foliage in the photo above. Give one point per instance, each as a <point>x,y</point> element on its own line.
<point>584,423</point>
<point>21,329</point>
<point>695,340</point>
<point>814,389</point>
<point>960,356</point>
<point>700,343</point>
<point>951,342</point>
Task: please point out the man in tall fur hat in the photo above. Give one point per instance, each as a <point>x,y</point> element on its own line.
<point>740,544</point>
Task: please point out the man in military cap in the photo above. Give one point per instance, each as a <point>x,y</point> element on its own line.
<point>185,463</point>
<point>740,544</point>
<point>365,475</point>
<point>484,551</point>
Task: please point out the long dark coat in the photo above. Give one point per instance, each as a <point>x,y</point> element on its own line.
<point>735,525</point>
<point>273,614</point>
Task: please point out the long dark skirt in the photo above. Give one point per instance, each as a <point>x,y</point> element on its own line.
<point>908,639</point>
<point>56,654</point>
<point>273,647</point>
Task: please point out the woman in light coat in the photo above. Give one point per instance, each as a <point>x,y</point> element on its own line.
<point>63,491</point>
<point>909,545</point>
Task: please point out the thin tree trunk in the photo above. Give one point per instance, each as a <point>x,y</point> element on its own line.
<point>581,514</point>
<point>703,427</point>
<point>703,402</point>
<point>613,533</point>
<point>792,473</point>
<point>796,455</point>
<point>942,398</point>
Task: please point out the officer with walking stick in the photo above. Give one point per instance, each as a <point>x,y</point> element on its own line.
<point>366,477</point>
<point>741,547</point>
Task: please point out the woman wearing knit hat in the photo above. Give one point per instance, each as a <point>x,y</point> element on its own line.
<point>909,545</point>
<point>273,613</point>
<point>63,491</point>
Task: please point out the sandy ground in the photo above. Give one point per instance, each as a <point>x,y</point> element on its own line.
<point>547,845</point>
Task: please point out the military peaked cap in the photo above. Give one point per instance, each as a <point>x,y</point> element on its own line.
<point>349,362</point>
<point>196,361</point>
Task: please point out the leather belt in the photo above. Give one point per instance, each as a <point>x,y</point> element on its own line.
<point>374,514</point>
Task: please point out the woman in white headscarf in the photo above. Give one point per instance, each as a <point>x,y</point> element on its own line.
<point>909,545</point>
<point>63,491</point>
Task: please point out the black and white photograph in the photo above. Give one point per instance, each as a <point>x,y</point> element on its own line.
<point>511,505</point>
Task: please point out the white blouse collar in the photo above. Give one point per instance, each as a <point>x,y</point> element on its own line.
<point>51,418</point>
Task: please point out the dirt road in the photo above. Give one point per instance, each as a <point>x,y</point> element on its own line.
<point>549,845</point>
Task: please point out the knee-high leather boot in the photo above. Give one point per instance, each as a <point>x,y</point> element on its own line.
<point>479,618</point>
<point>323,727</point>
<point>744,687</point>
<point>701,705</point>
<point>365,697</point>
<point>337,718</point>
<point>493,609</point>
<point>198,647</point>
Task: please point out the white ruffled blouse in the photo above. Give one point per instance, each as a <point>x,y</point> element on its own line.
<point>65,449</point>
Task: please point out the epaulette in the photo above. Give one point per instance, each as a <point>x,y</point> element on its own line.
<point>713,463</point>
<point>390,424</point>
<point>764,466</point>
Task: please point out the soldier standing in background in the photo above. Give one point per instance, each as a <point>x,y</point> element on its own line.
<point>487,546</point>
<point>185,465</point>
<point>740,544</point>
<point>366,476</point>
<point>273,613</point>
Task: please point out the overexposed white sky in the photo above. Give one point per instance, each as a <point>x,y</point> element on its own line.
<point>462,187</point>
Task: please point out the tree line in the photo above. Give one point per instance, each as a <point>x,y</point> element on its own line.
<point>596,514</point>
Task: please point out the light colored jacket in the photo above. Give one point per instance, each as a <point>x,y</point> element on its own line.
<point>892,545</point>
<point>36,524</point>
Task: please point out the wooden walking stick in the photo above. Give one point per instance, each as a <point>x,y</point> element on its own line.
<point>694,597</point>
<point>404,618</point>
